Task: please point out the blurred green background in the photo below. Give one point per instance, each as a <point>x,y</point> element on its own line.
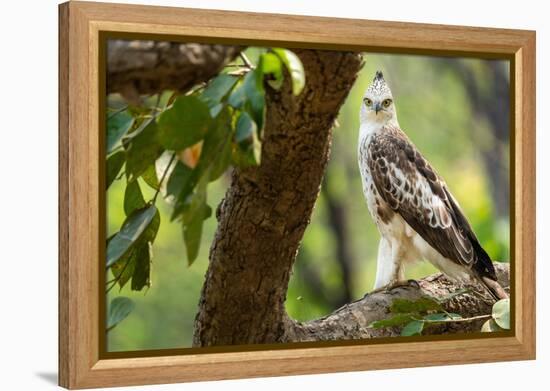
<point>457,113</point>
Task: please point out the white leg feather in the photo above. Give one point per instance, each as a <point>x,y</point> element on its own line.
<point>388,266</point>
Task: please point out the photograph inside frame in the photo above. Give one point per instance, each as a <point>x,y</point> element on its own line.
<point>263,195</point>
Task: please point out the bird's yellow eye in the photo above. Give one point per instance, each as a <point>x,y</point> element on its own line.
<point>386,103</point>
<point>368,102</point>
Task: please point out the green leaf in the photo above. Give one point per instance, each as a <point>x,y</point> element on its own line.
<point>150,177</point>
<point>185,124</point>
<point>248,151</point>
<point>166,98</point>
<point>138,110</point>
<point>295,68</point>
<point>245,129</point>
<point>186,187</point>
<point>143,149</point>
<point>250,95</point>
<point>222,162</point>
<point>132,229</point>
<point>441,317</point>
<point>216,150</point>
<point>135,263</point>
<point>501,313</point>
<point>181,178</point>
<point>490,326</point>
<point>218,89</point>
<point>436,317</point>
<point>119,309</point>
<point>272,66</point>
<point>193,210</point>
<point>396,320</point>
<point>164,166</point>
<point>192,232</point>
<point>133,198</point>
<point>151,231</point>
<point>255,95</point>
<point>248,156</point>
<point>117,126</point>
<point>424,304</point>
<point>214,160</point>
<point>194,204</point>
<point>215,110</point>
<point>238,96</point>
<point>413,328</point>
<point>124,268</point>
<point>114,164</point>
<point>142,271</point>
<point>140,124</point>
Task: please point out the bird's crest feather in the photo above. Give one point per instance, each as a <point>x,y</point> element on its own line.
<point>379,85</point>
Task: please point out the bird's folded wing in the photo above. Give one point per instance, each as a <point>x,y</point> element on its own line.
<point>410,186</point>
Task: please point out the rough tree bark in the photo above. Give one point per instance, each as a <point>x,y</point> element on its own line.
<point>265,211</point>
<point>352,320</point>
<point>146,67</point>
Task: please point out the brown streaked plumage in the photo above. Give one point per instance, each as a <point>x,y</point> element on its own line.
<point>441,223</point>
<point>412,206</point>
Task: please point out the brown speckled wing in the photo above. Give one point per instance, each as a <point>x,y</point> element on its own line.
<point>412,188</point>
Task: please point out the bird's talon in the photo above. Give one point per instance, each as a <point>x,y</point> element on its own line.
<point>413,283</point>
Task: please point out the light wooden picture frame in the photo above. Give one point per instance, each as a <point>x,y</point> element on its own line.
<point>82,32</point>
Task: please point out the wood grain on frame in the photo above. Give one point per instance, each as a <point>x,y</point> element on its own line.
<point>81,161</point>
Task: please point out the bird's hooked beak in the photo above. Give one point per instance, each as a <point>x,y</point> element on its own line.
<point>377,107</point>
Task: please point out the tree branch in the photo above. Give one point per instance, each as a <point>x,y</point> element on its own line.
<point>147,67</point>
<point>352,320</point>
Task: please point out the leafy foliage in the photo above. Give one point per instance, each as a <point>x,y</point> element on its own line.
<point>193,139</point>
<point>490,326</point>
<point>501,313</point>
<point>414,315</point>
<point>142,149</point>
<point>119,309</point>
<point>500,317</point>
<point>137,226</point>
<point>133,198</point>
<point>184,124</point>
<point>413,328</point>
<point>114,165</point>
<point>118,124</point>
<point>393,321</point>
<point>424,304</point>
<point>295,67</point>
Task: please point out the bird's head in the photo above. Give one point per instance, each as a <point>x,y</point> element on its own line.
<point>377,105</point>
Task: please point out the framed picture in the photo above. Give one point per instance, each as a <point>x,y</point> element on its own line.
<point>246,195</point>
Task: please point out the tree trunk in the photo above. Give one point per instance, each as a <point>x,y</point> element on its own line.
<point>266,209</point>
